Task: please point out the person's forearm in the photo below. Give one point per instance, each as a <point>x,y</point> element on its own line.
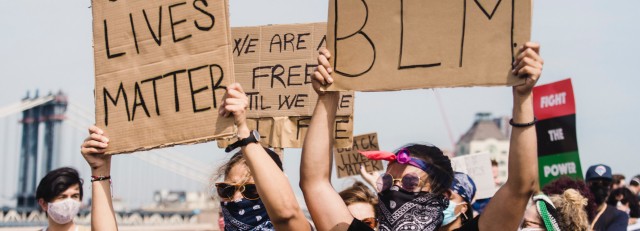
<point>316,152</point>
<point>523,153</point>
<point>102,215</point>
<point>274,189</point>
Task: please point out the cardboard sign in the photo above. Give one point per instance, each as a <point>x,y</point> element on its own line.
<point>348,160</point>
<point>275,66</point>
<point>478,167</point>
<point>395,45</point>
<point>289,132</point>
<point>161,69</point>
<point>555,108</point>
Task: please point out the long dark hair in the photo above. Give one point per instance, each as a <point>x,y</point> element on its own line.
<point>627,198</point>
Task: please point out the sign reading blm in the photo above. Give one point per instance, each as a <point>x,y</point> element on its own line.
<point>409,44</point>
<point>161,70</point>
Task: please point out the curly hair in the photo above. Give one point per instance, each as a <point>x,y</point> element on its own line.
<point>561,184</point>
<point>440,175</point>
<point>358,192</point>
<point>571,207</point>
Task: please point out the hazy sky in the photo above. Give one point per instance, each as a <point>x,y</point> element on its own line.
<point>46,45</point>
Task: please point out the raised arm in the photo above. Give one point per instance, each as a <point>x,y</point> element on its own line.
<point>325,205</point>
<point>506,208</point>
<point>273,186</point>
<point>102,215</point>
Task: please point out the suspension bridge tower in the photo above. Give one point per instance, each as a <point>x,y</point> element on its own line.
<point>39,153</point>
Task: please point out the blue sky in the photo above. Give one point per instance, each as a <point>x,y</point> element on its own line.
<point>46,45</point>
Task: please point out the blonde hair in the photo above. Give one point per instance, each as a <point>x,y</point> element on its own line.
<point>571,208</point>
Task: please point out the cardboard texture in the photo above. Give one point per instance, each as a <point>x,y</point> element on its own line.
<point>348,160</point>
<point>275,65</point>
<point>161,68</point>
<point>395,45</point>
<point>289,132</point>
<point>478,167</point>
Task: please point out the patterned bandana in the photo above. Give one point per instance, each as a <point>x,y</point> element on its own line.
<point>245,215</point>
<point>402,210</point>
<point>464,186</point>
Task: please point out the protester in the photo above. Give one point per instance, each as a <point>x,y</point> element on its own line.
<point>557,212</point>
<point>598,178</point>
<point>571,209</point>
<point>624,200</point>
<point>59,194</point>
<point>558,186</point>
<point>463,190</point>
<point>256,194</point>
<point>253,180</point>
<point>419,175</point>
<point>361,203</point>
<point>618,181</point>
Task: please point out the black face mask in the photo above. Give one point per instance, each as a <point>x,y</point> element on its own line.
<point>402,210</point>
<point>600,192</point>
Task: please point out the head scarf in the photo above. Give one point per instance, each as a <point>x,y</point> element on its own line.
<point>547,212</point>
<point>464,186</point>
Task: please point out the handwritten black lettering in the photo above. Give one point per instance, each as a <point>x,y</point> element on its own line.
<point>211,17</point>
<point>141,103</point>
<point>106,94</point>
<point>175,23</point>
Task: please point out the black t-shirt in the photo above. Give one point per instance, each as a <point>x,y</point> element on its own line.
<point>470,225</point>
<point>357,225</point>
<point>612,219</point>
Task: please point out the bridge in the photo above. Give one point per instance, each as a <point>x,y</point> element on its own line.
<point>158,187</point>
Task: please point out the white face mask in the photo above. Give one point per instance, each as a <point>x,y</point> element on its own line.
<point>64,211</point>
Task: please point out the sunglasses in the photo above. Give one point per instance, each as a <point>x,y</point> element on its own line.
<point>371,222</point>
<point>226,191</point>
<point>408,182</point>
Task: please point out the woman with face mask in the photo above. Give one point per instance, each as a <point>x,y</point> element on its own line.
<point>419,175</point>
<point>462,191</point>
<point>255,193</point>
<point>59,194</point>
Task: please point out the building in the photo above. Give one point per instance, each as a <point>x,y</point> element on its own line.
<point>487,134</point>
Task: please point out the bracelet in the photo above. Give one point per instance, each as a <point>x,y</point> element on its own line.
<point>523,125</point>
<point>100,178</point>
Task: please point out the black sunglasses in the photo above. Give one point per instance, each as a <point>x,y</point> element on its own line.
<point>226,191</point>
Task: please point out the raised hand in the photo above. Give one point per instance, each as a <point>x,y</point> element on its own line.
<point>528,65</point>
<point>93,149</point>
<point>235,102</point>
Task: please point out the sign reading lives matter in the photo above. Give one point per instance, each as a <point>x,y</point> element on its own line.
<point>275,66</point>
<point>161,71</point>
<point>348,160</point>
<point>554,106</point>
<point>396,45</point>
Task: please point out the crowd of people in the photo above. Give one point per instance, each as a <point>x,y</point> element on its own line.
<point>418,191</point>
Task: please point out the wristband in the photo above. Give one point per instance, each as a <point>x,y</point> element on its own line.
<point>100,178</point>
<point>523,125</point>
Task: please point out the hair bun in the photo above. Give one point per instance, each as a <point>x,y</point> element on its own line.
<point>574,197</point>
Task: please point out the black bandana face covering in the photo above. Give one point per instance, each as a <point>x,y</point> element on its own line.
<point>401,210</point>
<point>245,215</point>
